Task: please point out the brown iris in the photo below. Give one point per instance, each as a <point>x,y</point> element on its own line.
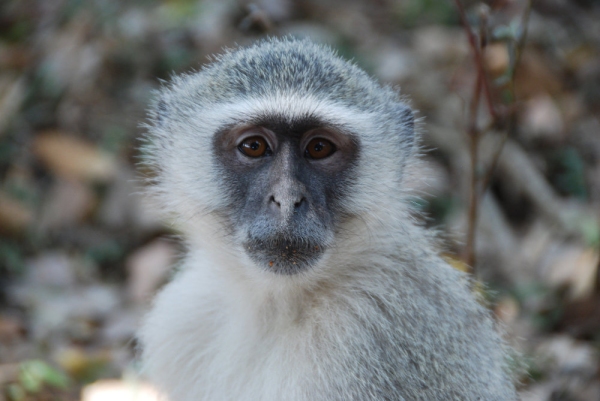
<point>255,146</point>
<point>319,148</point>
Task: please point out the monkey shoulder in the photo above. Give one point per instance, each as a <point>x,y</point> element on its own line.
<point>416,337</point>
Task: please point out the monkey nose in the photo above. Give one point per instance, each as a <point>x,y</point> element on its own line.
<point>286,205</point>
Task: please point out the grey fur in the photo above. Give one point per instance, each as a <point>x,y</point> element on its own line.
<point>377,316</point>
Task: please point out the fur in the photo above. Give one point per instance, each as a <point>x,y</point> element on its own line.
<point>380,317</point>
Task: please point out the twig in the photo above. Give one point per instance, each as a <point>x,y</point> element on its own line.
<point>498,114</point>
<point>511,111</point>
<point>478,57</point>
<point>598,277</point>
<point>481,82</point>
<point>474,134</point>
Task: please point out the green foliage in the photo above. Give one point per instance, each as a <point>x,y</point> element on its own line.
<point>569,177</point>
<point>176,58</point>
<point>11,259</point>
<point>437,208</point>
<point>534,370</point>
<point>178,11</point>
<point>22,191</point>
<point>15,392</point>
<point>7,150</point>
<point>588,227</point>
<point>72,8</point>
<point>106,252</point>
<point>115,139</point>
<point>508,33</point>
<point>18,31</point>
<point>590,230</point>
<point>545,302</point>
<point>16,26</point>
<point>36,373</point>
<point>34,376</point>
<point>511,35</point>
<point>422,12</point>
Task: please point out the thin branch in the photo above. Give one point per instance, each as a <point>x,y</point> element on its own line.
<point>474,135</point>
<point>522,38</point>
<point>478,57</point>
<point>598,277</point>
<point>511,111</point>
<point>498,114</point>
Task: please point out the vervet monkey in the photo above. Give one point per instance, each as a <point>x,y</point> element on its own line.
<point>306,279</point>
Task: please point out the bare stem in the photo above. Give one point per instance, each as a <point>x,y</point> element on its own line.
<point>498,114</point>
<point>478,58</point>
<point>511,111</point>
<point>474,135</point>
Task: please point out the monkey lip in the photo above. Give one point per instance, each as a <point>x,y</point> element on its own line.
<point>284,256</point>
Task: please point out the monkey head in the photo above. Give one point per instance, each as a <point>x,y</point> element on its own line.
<point>278,145</point>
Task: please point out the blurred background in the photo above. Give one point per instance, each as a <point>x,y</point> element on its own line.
<point>82,252</point>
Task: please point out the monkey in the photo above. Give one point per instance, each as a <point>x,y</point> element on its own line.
<point>306,275</point>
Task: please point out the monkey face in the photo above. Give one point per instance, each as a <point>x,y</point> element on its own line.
<point>278,153</point>
<point>285,182</point>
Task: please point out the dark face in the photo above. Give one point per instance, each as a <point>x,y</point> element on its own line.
<point>286,182</point>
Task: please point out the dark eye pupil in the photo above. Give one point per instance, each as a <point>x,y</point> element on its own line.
<point>319,148</point>
<point>254,147</point>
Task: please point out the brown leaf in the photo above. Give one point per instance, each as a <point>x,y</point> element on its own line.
<point>507,310</point>
<point>576,267</point>
<point>148,267</point>
<point>496,59</point>
<point>67,203</point>
<point>12,95</point>
<point>542,119</point>
<point>14,215</point>
<point>73,158</point>
<point>534,76</point>
<point>11,329</point>
<point>581,318</point>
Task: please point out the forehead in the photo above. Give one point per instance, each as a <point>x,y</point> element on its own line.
<point>288,125</point>
<point>290,113</point>
<point>292,66</point>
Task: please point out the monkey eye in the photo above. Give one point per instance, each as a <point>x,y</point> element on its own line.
<point>319,148</point>
<point>255,146</point>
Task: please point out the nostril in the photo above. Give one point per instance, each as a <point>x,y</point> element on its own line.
<point>272,200</point>
<point>299,203</point>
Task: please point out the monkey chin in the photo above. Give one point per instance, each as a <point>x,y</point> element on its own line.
<point>285,256</point>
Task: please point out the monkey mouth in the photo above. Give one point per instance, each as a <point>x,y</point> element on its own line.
<point>285,256</point>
